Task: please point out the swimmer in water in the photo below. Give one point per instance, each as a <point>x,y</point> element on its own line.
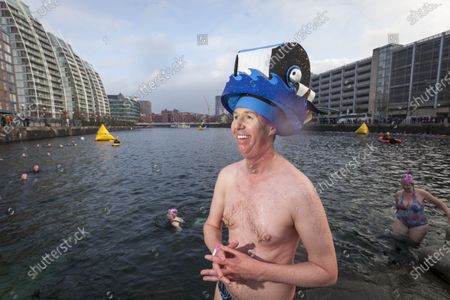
<point>410,219</point>
<point>36,169</point>
<point>175,221</point>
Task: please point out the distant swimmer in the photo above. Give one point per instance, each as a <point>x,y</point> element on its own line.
<point>410,219</point>
<point>36,169</point>
<point>175,221</point>
<point>116,142</point>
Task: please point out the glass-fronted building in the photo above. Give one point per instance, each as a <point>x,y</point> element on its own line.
<point>398,82</point>
<point>124,109</point>
<point>418,71</point>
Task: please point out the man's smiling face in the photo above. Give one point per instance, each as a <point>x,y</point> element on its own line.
<point>250,131</point>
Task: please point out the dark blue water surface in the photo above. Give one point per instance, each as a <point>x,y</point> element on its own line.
<point>120,196</point>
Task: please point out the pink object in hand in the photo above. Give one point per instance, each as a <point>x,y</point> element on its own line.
<point>216,250</point>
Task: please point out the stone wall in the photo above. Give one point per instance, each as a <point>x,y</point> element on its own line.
<point>37,133</point>
<point>424,128</point>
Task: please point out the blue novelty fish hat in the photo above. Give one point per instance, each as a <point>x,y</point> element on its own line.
<point>272,81</point>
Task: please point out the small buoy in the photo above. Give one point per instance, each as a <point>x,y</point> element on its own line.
<point>49,145</point>
<point>36,169</point>
<point>37,145</point>
<point>24,177</point>
<point>49,154</point>
<point>82,138</point>
<point>60,146</point>
<point>24,155</point>
<point>363,129</point>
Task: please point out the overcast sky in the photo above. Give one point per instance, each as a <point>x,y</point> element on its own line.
<point>129,41</point>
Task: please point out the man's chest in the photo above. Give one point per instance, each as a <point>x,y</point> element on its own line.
<point>259,211</point>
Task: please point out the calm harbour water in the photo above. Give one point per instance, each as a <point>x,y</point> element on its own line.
<point>120,196</point>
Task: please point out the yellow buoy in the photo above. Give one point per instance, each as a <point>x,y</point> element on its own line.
<point>363,129</point>
<point>103,134</point>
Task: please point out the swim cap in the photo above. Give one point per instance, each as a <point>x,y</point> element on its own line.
<point>264,109</point>
<point>407,179</point>
<point>173,211</point>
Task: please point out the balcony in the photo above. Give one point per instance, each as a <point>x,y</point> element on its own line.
<point>364,69</point>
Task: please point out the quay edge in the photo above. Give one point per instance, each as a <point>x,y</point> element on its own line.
<point>37,133</point>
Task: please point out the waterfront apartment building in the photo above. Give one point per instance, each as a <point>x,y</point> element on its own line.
<point>402,82</point>
<point>101,103</point>
<point>124,109</point>
<point>8,91</point>
<point>82,83</point>
<point>51,79</point>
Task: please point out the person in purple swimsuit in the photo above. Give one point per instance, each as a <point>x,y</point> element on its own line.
<point>410,220</point>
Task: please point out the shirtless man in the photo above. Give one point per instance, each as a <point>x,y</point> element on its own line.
<point>269,207</point>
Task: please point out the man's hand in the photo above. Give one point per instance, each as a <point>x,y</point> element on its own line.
<point>217,273</point>
<point>236,266</point>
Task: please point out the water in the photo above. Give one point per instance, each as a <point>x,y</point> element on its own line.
<point>120,195</point>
